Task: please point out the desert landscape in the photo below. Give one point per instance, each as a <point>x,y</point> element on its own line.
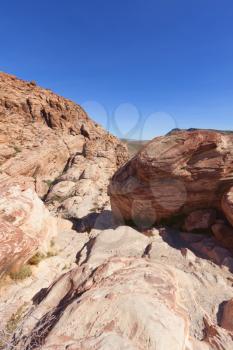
<point>102,248</point>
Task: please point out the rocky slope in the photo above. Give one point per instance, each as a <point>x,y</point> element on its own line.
<point>90,282</point>
<point>49,148</point>
<point>42,135</point>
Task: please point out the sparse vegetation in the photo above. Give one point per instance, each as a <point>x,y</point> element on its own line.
<point>36,259</point>
<point>24,272</point>
<point>11,327</point>
<point>15,319</point>
<point>51,254</point>
<point>17,149</point>
<point>58,199</point>
<point>48,182</point>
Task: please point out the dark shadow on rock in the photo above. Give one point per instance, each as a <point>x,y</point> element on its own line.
<point>99,221</point>
<point>87,247</point>
<point>220,312</point>
<point>202,245</point>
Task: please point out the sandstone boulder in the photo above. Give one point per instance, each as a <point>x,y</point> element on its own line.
<point>174,175</point>
<point>26,226</point>
<point>16,247</point>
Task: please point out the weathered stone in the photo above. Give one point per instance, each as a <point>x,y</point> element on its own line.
<point>227,316</point>
<point>26,227</point>
<point>227,205</point>
<point>174,175</point>
<point>118,298</point>
<point>40,131</point>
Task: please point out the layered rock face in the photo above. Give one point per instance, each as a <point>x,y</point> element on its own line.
<point>41,131</point>
<point>26,227</point>
<point>175,175</point>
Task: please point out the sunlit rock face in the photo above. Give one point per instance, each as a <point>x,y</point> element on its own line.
<point>136,291</point>
<point>42,135</point>
<point>175,175</point>
<point>111,286</point>
<point>25,226</point>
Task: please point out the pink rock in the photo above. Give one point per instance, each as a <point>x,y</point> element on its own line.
<point>16,247</point>
<point>227,205</point>
<point>25,226</point>
<point>174,175</point>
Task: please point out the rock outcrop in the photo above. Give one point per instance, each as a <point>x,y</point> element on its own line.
<point>26,227</point>
<point>49,148</point>
<point>136,294</point>
<point>175,175</point>
<point>43,134</point>
<point>110,286</point>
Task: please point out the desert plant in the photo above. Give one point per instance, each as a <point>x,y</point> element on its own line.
<point>24,272</point>
<point>36,259</point>
<point>15,319</point>
<point>52,243</point>
<point>17,149</point>
<point>48,182</point>
<point>51,254</point>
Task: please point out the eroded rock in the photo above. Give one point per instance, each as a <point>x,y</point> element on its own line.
<point>41,131</point>
<point>123,298</point>
<point>174,175</point>
<point>26,226</point>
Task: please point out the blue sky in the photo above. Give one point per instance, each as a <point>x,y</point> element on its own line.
<point>139,67</point>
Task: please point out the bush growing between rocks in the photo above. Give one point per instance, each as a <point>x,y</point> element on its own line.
<point>36,259</point>
<point>22,274</point>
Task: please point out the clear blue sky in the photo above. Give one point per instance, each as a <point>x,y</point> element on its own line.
<point>166,63</point>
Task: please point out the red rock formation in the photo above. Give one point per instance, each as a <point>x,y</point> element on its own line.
<point>25,226</point>
<point>227,205</point>
<point>131,291</point>
<point>16,247</point>
<point>40,131</point>
<point>174,174</point>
